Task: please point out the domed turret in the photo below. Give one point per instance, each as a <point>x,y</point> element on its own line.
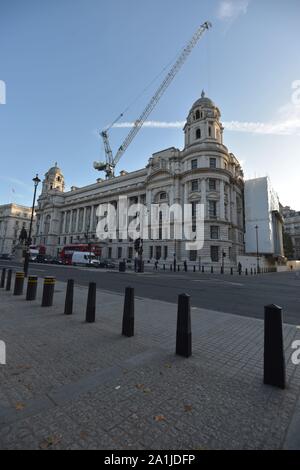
<point>54,180</point>
<point>203,122</point>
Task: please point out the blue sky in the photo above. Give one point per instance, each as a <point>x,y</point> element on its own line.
<point>71,66</point>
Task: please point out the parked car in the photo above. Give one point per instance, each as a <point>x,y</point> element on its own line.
<point>56,261</point>
<point>43,259</point>
<point>84,259</point>
<point>106,263</point>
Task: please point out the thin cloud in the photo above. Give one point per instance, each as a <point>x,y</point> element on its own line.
<point>230,10</point>
<point>287,124</point>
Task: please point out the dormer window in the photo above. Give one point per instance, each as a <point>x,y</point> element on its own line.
<point>197,114</point>
<point>198,134</point>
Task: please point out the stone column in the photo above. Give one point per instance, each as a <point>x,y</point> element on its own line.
<point>222,201</point>
<point>64,222</point>
<point>77,220</point>
<point>229,205</point>
<point>71,222</point>
<point>84,217</point>
<point>91,228</point>
<point>203,196</point>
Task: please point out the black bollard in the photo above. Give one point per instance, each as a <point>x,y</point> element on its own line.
<point>48,291</point>
<point>69,297</point>
<point>31,287</point>
<point>3,277</point>
<point>203,269</point>
<point>178,268</point>
<point>231,271</point>
<point>19,283</point>
<point>91,304</point>
<point>274,361</point>
<point>164,267</point>
<point>171,267</point>
<point>128,313</point>
<point>212,270</point>
<point>194,269</point>
<point>246,271</point>
<point>8,280</point>
<point>184,332</point>
<point>222,270</point>
<point>251,272</point>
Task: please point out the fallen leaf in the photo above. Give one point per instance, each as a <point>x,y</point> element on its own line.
<point>50,441</point>
<point>140,386</point>
<point>159,418</point>
<point>168,366</point>
<point>118,387</point>
<point>147,390</point>
<point>83,435</point>
<point>20,406</point>
<point>188,408</point>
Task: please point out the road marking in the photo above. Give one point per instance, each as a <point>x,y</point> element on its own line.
<point>218,280</point>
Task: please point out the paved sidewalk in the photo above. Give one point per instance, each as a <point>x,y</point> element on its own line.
<point>71,385</point>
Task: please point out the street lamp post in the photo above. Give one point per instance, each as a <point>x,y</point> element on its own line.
<point>257,253</point>
<point>36,182</point>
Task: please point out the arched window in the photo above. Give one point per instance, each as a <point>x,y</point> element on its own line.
<point>197,114</point>
<point>198,134</point>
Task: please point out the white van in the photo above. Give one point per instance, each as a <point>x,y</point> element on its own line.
<point>84,259</point>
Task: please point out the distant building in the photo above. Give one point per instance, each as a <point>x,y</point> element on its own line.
<point>204,171</point>
<point>263,220</point>
<point>13,218</point>
<point>292,228</point>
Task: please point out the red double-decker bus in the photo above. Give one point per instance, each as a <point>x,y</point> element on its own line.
<point>68,250</point>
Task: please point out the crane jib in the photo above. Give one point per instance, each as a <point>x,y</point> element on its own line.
<point>111,161</point>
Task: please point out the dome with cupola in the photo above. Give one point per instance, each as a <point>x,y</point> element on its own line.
<point>54,180</point>
<point>203,122</point>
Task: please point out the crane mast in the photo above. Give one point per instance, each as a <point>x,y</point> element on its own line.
<point>111,161</point>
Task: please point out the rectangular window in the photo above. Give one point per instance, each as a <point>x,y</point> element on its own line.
<point>214,232</point>
<point>130,252</point>
<point>151,252</point>
<point>158,252</point>
<point>109,252</point>
<point>193,255</point>
<point>194,208</point>
<point>194,164</point>
<point>212,184</point>
<point>214,253</point>
<point>212,163</point>
<point>165,252</point>
<point>195,185</point>
<point>119,252</point>
<point>212,209</point>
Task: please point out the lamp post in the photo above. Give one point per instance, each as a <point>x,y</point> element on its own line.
<point>36,182</point>
<point>257,253</point>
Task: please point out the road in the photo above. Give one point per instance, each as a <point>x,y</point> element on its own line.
<point>240,295</point>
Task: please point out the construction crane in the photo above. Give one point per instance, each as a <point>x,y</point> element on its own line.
<point>109,165</point>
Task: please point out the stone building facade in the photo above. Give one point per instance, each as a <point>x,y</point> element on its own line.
<point>203,172</point>
<point>13,217</point>
<point>292,227</point>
